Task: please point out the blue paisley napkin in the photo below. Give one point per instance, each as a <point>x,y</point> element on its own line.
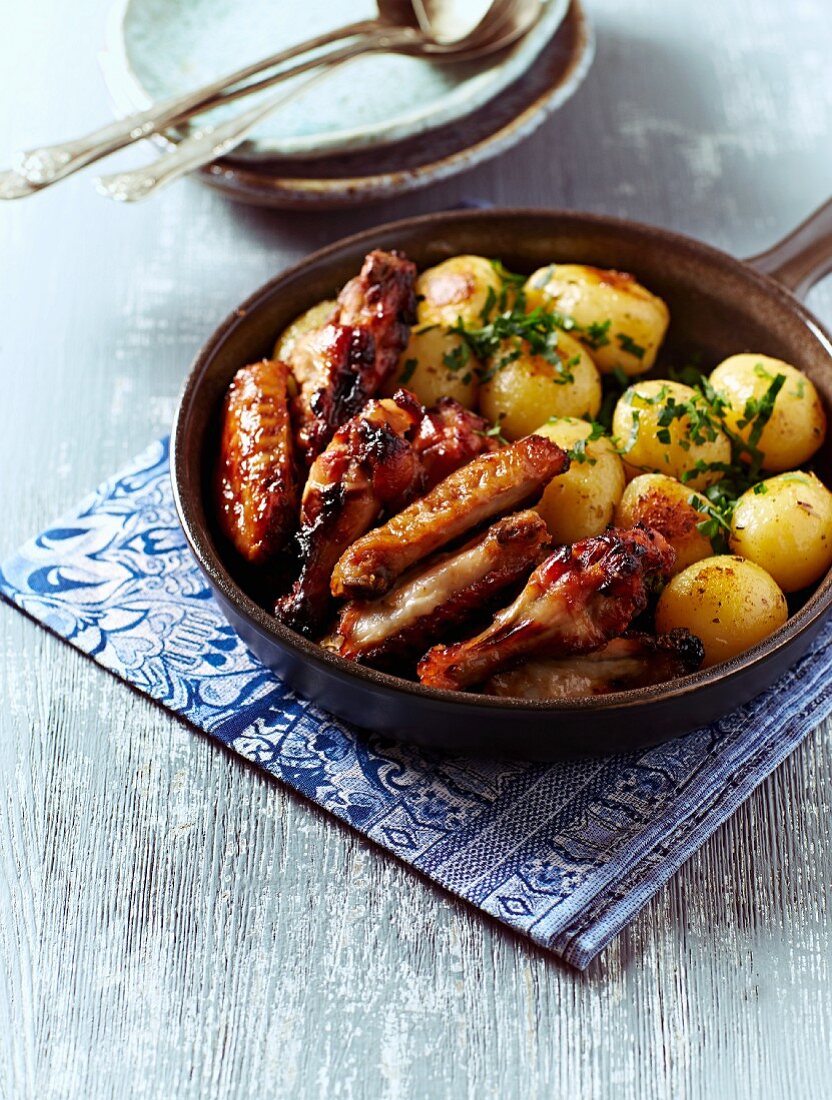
<point>564,853</point>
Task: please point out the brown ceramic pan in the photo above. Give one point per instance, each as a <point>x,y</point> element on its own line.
<point>718,305</point>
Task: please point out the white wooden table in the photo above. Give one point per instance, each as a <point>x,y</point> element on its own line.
<point>174,925</point>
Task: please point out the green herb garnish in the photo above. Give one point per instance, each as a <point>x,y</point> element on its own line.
<point>408,370</point>
<point>596,335</point>
<point>628,344</point>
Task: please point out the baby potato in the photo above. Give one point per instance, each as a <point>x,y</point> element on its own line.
<point>622,324</point>
<point>525,392</point>
<point>457,288</point>
<point>729,603</point>
<point>668,506</point>
<point>436,364</point>
<point>797,425</point>
<point>313,318</point>
<point>655,435</point>
<point>581,502</point>
<point>784,524</point>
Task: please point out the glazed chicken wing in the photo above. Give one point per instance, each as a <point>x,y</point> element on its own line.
<point>445,593</point>
<point>488,486</point>
<point>636,660</point>
<point>448,437</point>
<point>580,597</point>
<point>338,367</point>
<point>369,464</point>
<point>256,485</point>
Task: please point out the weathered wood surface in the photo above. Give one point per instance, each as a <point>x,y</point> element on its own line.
<point>172,924</point>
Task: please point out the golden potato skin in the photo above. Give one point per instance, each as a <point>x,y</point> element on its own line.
<point>456,288</point>
<point>423,371</point>
<point>785,526</point>
<point>528,391</point>
<point>729,603</point>
<point>581,502</point>
<point>313,318</point>
<point>637,319</point>
<point>797,426</point>
<point>635,428</point>
<point>663,503</point>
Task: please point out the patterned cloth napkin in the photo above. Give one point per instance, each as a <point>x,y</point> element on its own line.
<point>564,853</point>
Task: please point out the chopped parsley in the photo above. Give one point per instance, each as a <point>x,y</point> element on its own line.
<point>495,432</point>
<point>458,357</point>
<point>596,335</point>
<point>578,453</point>
<point>507,276</point>
<point>408,371</point>
<point>512,333</point>
<point>717,503</point>
<point>628,344</point>
<point>757,413</point>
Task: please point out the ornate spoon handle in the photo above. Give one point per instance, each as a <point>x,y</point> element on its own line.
<point>211,142</point>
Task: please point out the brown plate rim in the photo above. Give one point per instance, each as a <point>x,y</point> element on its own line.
<point>212,565</point>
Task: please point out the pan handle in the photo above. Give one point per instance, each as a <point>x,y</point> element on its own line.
<point>803,257</point>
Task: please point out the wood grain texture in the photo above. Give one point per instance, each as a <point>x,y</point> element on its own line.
<point>172,924</point>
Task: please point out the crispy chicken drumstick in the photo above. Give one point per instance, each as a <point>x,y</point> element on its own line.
<point>338,367</point>
<point>490,485</point>
<point>632,661</point>
<point>580,597</point>
<point>445,593</point>
<point>256,486</point>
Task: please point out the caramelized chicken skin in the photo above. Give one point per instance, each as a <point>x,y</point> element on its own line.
<point>448,437</point>
<point>636,660</point>
<point>580,597</point>
<point>486,487</point>
<point>443,594</point>
<point>338,367</point>
<point>380,459</point>
<point>256,484</point>
<point>369,464</point>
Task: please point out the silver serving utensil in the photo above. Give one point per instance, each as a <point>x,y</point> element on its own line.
<point>47,164</point>
<point>503,23</point>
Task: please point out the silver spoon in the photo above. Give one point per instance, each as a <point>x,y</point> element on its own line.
<point>504,23</point>
<point>47,164</point>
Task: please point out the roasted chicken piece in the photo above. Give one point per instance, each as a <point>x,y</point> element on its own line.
<point>444,593</point>
<point>488,486</point>
<point>369,464</point>
<point>580,597</point>
<point>256,484</point>
<point>449,437</point>
<point>636,660</point>
<point>338,367</point>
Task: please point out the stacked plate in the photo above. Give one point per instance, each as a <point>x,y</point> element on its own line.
<point>377,127</point>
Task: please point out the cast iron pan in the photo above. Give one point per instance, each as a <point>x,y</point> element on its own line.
<point>718,305</point>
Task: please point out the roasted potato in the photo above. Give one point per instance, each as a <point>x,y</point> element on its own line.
<point>581,502</point>
<point>435,364</point>
<point>729,603</point>
<point>313,318</point>
<point>784,524</point>
<point>457,289</point>
<point>619,322</point>
<point>671,508</point>
<point>665,427</point>
<point>796,424</point>
<point>524,392</point>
